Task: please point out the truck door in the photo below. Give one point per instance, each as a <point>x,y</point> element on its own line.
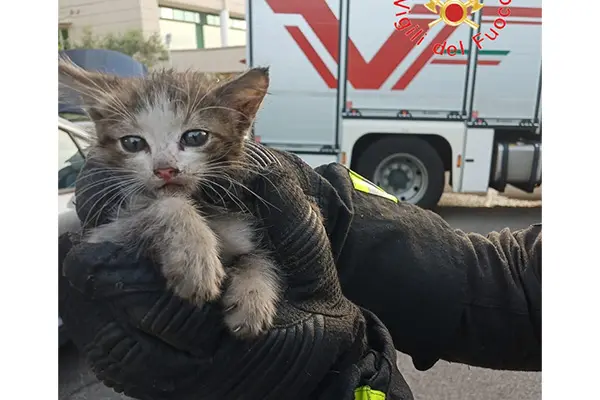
<point>396,62</point>
<point>507,75</point>
<point>299,40</point>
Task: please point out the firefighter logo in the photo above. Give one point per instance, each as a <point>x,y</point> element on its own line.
<point>454,12</point>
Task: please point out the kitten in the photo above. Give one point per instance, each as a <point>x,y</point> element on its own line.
<point>163,137</point>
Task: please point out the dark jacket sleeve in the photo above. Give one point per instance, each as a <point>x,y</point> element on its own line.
<point>442,293</point>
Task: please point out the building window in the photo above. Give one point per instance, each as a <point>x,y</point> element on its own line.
<point>213,20</point>
<point>184,26</point>
<point>190,16</point>
<point>179,15</point>
<point>166,13</point>
<point>195,30</point>
<point>235,23</point>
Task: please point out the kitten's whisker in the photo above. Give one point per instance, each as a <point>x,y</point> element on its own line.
<point>235,182</point>
<point>217,193</point>
<point>86,188</point>
<point>240,164</point>
<point>110,202</point>
<point>115,182</point>
<point>221,167</point>
<point>236,200</point>
<point>115,187</point>
<point>230,164</point>
<point>100,197</point>
<point>93,179</point>
<point>92,212</point>
<point>134,190</point>
<point>110,173</point>
<point>107,203</point>
<point>82,188</point>
<point>230,194</point>
<point>253,168</point>
<point>119,206</point>
<point>261,199</point>
<point>83,178</point>
<point>92,157</point>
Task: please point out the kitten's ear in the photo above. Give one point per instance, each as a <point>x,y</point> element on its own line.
<point>82,87</point>
<point>246,92</point>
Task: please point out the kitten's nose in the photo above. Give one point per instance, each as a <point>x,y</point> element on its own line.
<point>166,174</point>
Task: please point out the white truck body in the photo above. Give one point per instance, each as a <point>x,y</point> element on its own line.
<point>332,100</point>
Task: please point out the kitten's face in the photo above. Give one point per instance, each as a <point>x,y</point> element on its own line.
<point>170,131</point>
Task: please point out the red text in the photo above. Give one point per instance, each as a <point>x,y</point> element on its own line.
<point>415,32</point>
<point>440,48</point>
<point>499,24</point>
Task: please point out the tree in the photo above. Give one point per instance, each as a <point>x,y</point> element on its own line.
<point>147,50</point>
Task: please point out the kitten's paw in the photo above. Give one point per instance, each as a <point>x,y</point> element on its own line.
<point>250,300</point>
<point>197,279</point>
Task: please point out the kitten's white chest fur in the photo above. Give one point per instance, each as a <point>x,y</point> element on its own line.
<point>236,235</point>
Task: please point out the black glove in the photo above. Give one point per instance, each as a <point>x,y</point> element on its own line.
<point>142,340</point>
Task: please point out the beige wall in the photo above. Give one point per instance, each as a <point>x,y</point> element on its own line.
<point>108,16</point>
<point>150,16</point>
<point>225,59</point>
<point>104,17</point>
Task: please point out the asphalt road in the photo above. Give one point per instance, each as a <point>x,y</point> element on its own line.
<point>444,381</point>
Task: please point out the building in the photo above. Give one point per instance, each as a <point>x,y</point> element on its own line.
<point>209,35</point>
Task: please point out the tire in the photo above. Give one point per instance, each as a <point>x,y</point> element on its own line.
<point>405,157</point>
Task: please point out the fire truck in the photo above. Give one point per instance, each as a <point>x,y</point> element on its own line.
<point>405,92</point>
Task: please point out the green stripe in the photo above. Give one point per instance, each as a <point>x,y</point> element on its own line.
<point>491,52</point>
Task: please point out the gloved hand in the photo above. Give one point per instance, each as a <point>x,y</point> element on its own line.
<point>142,340</point>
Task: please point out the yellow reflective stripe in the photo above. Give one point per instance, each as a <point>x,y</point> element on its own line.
<point>363,185</point>
<point>358,183</point>
<point>366,393</point>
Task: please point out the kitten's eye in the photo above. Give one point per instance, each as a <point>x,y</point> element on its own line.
<point>194,138</point>
<point>133,144</point>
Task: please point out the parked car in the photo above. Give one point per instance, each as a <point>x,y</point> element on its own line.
<point>73,140</point>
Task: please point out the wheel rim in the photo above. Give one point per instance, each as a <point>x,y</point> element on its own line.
<point>404,176</point>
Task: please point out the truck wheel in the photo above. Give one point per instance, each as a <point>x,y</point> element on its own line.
<point>407,167</point>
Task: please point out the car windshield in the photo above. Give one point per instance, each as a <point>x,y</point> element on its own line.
<point>81,143</point>
<point>70,161</point>
<point>73,117</point>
